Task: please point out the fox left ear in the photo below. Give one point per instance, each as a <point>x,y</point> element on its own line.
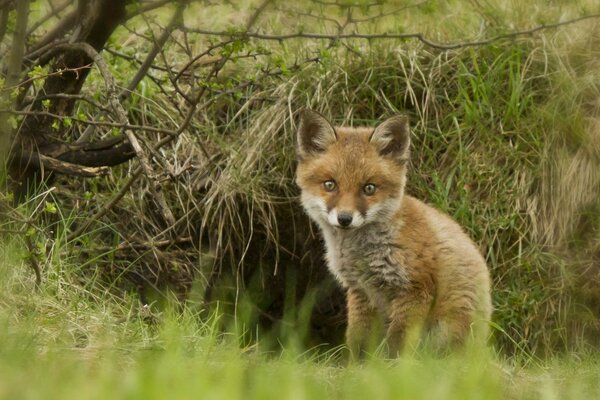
<point>315,133</point>
<point>392,138</point>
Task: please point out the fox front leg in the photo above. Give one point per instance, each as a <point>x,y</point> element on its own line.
<point>405,324</point>
<point>363,328</point>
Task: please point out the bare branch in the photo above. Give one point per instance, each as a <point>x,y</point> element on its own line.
<point>158,44</point>
<point>108,206</point>
<point>128,246</point>
<point>147,7</point>
<point>79,97</point>
<point>53,13</point>
<point>390,35</point>
<point>64,25</point>
<point>256,14</point>
<point>388,13</point>
<point>90,122</point>
<point>44,162</point>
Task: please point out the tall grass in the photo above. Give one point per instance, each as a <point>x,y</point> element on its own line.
<point>68,347</point>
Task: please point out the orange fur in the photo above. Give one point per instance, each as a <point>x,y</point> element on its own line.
<point>398,258</point>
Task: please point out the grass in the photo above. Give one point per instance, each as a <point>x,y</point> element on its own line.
<point>505,139</point>
<point>65,346</point>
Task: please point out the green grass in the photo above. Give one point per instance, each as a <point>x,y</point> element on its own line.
<point>67,343</point>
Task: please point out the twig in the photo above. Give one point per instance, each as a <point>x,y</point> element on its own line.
<point>136,60</point>
<point>53,13</point>
<point>158,44</point>
<point>144,246</point>
<point>93,123</point>
<point>108,206</point>
<point>146,8</point>
<point>388,13</point>
<point>389,35</point>
<point>66,23</point>
<point>79,97</point>
<point>256,14</point>
<point>203,54</point>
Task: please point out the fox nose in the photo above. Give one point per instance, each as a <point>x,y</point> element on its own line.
<point>344,219</point>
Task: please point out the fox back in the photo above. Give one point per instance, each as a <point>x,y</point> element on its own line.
<point>401,261</point>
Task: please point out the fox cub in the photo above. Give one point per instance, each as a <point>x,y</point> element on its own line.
<point>407,268</point>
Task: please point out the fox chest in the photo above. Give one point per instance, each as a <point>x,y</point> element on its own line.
<point>369,261</point>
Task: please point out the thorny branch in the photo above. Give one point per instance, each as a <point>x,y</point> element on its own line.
<point>389,35</point>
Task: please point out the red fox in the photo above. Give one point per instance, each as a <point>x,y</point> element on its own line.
<point>401,261</point>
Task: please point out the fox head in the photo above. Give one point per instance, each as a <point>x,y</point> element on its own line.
<point>351,177</point>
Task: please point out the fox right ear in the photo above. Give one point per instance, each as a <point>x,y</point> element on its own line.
<point>315,133</point>
<point>392,138</point>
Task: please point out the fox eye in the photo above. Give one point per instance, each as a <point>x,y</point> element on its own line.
<point>329,185</point>
<point>369,189</point>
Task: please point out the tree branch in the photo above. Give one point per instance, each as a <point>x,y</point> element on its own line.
<point>147,7</point>
<point>64,25</point>
<point>53,13</point>
<point>158,44</point>
<point>128,246</point>
<point>92,123</point>
<point>389,35</point>
<point>42,162</point>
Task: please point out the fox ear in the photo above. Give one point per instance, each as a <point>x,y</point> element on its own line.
<point>315,133</point>
<point>392,138</point>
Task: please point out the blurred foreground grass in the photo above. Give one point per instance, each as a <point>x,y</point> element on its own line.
<point>67,347</point>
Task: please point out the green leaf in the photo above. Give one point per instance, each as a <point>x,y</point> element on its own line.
<point>50,207</point>
<point>13,122</point>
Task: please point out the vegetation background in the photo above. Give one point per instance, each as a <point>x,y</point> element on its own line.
<point>152,243</point>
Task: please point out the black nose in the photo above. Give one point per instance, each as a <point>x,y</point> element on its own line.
<point>344,219</point>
